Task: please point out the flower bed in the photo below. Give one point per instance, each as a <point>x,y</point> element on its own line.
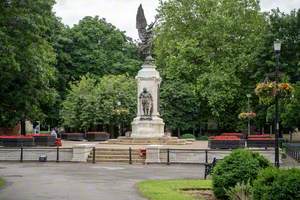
<point>239,135</point>
<point>73,136</point>
<point>225,142</point>
<point>16,141</point>
<point>97,136</point>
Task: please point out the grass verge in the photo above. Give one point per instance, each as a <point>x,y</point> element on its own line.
<point>1,183</point>
<point>170,189</point>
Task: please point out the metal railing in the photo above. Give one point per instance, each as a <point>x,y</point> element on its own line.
<point>23,151</point>
<point>293,150</point>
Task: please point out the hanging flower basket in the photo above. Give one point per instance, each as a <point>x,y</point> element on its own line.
<point>247,115</point>
<point>285,90</point>
<point>267,91</point>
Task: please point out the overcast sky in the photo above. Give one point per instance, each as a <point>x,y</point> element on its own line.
<point>121,13</point>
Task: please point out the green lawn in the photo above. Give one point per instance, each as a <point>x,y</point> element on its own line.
<point>1,183</point>
<point>170,189</point>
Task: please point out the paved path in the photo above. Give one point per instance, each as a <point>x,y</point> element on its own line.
<point>81,181</point>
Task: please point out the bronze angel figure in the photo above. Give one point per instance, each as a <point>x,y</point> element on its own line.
<point>145,33</point>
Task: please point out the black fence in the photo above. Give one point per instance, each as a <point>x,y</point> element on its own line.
<point>293,150</point>
<point>41,154</point>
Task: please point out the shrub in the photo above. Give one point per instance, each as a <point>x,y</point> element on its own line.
<point>203,137</point>
<point>240,166</point>
<point>241,191</point>
<point>188,136</point>
<point>277,184</point>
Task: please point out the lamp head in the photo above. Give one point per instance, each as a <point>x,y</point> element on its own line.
<point>277,46</point>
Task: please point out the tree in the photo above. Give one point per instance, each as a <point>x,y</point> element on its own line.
<point>26,60</point>
<point>210,45</point>
<point>96,47</point>
<point>284,27</point>
<point>94,103</point>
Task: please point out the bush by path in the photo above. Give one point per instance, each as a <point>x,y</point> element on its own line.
<point>240,166</point>
<point>277,184</point>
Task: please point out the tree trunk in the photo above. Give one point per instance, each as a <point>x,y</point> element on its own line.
<point>23,127</point>
<point>178,132</point>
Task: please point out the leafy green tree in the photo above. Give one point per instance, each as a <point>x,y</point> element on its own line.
<point>210,46</point>
<point>94,103</point>
<point>94,46</point>
<point>284,27</point>
<point>26,60</point>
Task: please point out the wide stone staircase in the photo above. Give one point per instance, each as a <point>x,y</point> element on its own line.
<point>116,155</point>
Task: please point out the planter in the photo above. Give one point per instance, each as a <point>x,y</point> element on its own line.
<point>239,135</point>
<point>44,140</point>
<point>260,136</point>
<point>73,136</point>
<point>260,142</point>
<point>226,144</point>
<point>97,136</point>
<point>16,141</point>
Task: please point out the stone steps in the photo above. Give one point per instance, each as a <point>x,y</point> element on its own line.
<point>134,161</point>
<point>115,155</point>
<point>147,141</point>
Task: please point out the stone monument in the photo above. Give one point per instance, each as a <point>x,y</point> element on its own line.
<point>148,123</point>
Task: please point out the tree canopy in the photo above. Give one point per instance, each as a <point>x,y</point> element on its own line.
<point>27,59</point>
<point>92,102</point>
<point>210,45</point>
<point>97,47</point>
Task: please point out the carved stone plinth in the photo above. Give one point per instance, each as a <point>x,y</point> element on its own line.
<point>147,128</point>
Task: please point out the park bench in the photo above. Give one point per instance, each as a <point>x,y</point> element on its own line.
<point>209,167</point>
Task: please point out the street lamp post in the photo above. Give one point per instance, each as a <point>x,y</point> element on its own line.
<point>119,125</point>
<point>248,96</point>
<point>277,49</point>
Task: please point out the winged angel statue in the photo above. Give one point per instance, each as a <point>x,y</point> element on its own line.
<point>145,33</point>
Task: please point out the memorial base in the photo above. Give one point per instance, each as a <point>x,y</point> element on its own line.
<point>147,128</point>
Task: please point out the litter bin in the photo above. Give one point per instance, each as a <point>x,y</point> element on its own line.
<point>43,158</point>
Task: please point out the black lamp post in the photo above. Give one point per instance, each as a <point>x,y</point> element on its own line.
<point>119,125</point>
<point>277,48</point>
<point>248,96</point>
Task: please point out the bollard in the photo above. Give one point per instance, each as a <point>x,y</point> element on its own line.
<point>168,156</point>
<point>57,154</point>
<point>94,155</point>
<point>130,155</point>
<point>206,156</point>
<point>21,156</point>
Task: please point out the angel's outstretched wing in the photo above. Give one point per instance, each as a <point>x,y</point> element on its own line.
<point>141,22</point>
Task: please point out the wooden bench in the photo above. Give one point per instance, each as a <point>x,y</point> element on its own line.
<point>209,167</point>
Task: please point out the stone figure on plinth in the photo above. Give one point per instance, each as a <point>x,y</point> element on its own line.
<point>145,33</point>
<point>146,104</point>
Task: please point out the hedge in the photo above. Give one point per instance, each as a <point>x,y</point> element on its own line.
<point>240,166</point>
<point>277,184</point>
